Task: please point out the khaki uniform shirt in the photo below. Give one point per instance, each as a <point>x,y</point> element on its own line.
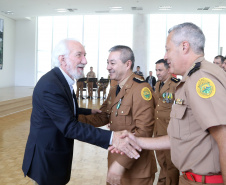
<point>91,74</point>
<point>165,98</point>
<point>199,104</point>
<point>132,110</point>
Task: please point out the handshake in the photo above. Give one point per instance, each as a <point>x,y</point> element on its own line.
<point>124,142</point>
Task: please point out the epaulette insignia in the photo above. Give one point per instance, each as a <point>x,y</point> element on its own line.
<point>194,68</point>
<point>176,80</point>
<point>139,80</point>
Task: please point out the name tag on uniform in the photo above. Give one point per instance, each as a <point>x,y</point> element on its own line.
<point>179,101</point>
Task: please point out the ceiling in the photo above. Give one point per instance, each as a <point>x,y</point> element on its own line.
<point>23,9</point>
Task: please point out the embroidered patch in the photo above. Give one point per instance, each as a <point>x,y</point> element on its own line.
<point>146,93</point>
<point>205,88</point>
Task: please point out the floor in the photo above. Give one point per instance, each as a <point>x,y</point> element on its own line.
<point>89,163</point>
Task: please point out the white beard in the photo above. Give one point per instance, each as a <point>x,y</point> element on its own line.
<point>73,72</point>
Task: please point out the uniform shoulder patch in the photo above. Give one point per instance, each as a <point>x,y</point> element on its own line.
<point>138,80</point>
<point>194,68</point>
<point>205,88</point>
<point>176,80</point>
<point>146,93</point>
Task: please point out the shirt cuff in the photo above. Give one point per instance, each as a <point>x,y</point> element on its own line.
<point>111,138</point>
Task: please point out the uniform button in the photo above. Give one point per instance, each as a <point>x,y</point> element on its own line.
<point>111,121</point>
<point>157,111</point>
<point>122,112</point>
<point>112,111</point>
<point>107,110</point>
<point>157,118</point>
<point>158,105</point>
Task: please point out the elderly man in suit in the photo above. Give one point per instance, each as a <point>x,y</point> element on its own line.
<point>54,125</point>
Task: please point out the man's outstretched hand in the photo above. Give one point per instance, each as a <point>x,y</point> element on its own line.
<point>125,142</point>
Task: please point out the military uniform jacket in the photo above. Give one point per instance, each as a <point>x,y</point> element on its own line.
<point>129,111</point>
<point>91,74</point>
<point>199,104</point>
<point>165,98</point>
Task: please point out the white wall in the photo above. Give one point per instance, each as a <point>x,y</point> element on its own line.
<point>7,74</point>
<point>25,56</point>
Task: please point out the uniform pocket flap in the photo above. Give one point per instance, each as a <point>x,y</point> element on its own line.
<point>123,110</point>
<point>178,111</point>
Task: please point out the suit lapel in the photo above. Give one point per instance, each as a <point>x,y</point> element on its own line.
<point>65,85</point>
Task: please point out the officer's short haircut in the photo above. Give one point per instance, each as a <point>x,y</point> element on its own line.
<point>126,54</point>
<point>164,62</point>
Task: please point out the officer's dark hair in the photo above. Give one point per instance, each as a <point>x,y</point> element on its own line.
<point>221,57</point>
<point>126,54</point>
<point>164,62</point>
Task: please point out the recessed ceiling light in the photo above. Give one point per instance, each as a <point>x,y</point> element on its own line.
<point>115,8</point>
<point>61,10</point>
<point>8,12</point>
<point>219,8</point>
<point>165,7</point>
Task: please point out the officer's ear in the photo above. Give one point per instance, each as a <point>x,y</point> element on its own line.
<point>128,64</point>
<point>185,46</point>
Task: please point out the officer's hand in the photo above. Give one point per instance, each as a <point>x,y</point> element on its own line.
<point>115,173</point>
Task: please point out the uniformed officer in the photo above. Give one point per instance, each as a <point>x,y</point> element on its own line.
<point>165,94</point>
<point>138,72</point>
<point>197,128</point>
<point>90,74</point>
<point>102,87</point>
<point>80,88</point>
<point>130,106</point>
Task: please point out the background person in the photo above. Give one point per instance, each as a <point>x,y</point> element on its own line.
<point>165,96</point>
<point>151,80</point>
<point>219,60</point>
<point>90,74</point>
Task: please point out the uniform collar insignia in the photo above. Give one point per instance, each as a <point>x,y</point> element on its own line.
<point>194,68</point>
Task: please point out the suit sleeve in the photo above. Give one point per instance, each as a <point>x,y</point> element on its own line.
<point>97,120</point>
<point>84,111</point>
<point>57,106</point>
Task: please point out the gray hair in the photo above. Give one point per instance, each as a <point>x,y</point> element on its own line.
<point>191,33</point>
<point>61,49</point>
<point>126,54</point>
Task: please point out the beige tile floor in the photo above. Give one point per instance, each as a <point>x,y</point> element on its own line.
<point>89,164</point>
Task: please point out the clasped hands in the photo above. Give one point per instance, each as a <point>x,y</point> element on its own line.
<point>123,142</point>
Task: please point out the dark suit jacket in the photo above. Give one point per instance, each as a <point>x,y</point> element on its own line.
<point>49,150</point>
<point>153,81</point>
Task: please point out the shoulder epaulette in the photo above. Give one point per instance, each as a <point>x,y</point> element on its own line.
<point>138,80</point>
<point>195,68</point>
<point>176,80</point>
